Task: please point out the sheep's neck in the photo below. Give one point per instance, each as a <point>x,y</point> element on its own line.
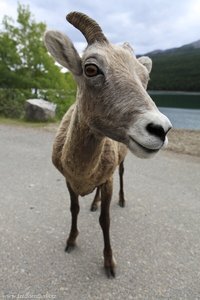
<point>83,147</point>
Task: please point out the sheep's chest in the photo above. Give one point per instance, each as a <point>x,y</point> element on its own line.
<point>85,177</point>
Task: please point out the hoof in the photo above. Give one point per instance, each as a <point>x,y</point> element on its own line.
<point>110,266</point>
<point>110,272</point>
<point>94,207</point>
<point>71,244</point>
<point>122,203</point>
<point>70,247</point>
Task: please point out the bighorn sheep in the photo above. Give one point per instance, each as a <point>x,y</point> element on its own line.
<point>112,112</point>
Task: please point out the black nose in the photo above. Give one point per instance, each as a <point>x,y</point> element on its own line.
<point>156,130</point>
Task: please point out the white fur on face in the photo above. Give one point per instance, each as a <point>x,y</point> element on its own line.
<point>125,96</point>
<point>142,143</point>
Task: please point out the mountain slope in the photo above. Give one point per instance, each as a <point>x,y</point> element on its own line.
<point>176,69</point>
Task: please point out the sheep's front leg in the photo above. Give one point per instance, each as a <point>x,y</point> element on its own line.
<point>104,220</point>
<point>71,241</point>
<point>121,191</point>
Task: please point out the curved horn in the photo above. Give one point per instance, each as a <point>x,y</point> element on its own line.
<point>89,28</point>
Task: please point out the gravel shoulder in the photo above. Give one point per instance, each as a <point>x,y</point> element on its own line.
<point>184,141</point>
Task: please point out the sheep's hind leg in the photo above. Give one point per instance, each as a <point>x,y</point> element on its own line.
<point>104,220</point>
<point>121,183</point>
<point>97,199</point>
<point>71,241</point>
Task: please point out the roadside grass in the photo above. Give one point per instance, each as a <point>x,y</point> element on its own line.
<point>25,123</point>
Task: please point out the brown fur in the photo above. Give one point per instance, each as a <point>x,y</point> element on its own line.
<point>86,159</point>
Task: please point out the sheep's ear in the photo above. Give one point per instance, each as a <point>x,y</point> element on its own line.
<point>62,49</point>
<point>146,61</point>
<point>128,46</point>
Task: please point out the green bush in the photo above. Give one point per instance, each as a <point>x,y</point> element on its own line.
<point>12,101</point>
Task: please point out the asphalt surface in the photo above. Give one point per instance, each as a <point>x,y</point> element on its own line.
<point>155,238</point>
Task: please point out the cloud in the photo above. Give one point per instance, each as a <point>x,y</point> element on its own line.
<point>147,25</point>
<point>7,8</point>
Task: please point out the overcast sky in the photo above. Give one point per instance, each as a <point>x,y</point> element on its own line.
<point>147,24</point>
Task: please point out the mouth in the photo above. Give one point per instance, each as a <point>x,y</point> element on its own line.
<point>147,150</point>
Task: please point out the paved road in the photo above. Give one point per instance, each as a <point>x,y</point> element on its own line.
<point>156,238</point>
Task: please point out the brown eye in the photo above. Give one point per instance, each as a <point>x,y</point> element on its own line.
<point>91,70</point>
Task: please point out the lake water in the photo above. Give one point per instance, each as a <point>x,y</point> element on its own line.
<point>183,118</point>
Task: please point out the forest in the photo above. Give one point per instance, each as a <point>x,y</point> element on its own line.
<point>176,70</point>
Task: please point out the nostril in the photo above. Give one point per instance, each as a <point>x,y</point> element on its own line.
<point>156,130</point>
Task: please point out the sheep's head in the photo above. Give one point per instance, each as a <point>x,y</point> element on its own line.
<point>112,86</point>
